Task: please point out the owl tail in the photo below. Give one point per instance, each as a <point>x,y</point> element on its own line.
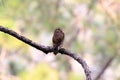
<point>55,50</point>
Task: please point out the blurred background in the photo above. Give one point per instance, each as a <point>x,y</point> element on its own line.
<point>92,31</point>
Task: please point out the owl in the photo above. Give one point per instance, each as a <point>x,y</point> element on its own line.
<point>57,39</point>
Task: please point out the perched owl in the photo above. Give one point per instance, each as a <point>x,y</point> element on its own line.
<point>57,39</point>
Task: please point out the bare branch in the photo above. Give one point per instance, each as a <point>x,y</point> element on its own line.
<point>108,63</point>
<point>48,49</point>
<point>80,60</point>
<point>26,40</point>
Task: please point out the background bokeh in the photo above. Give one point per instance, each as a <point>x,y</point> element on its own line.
<point>92,31</point>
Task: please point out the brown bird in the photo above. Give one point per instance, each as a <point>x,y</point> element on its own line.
<point>57,39</point>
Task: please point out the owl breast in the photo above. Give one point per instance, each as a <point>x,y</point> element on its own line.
<point>58,38</point>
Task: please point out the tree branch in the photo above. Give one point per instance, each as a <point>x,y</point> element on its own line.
<point>108,63</point>
<point>48,49</point>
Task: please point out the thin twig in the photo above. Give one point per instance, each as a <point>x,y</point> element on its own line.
<point>48,49</point>
<point>108,63</point>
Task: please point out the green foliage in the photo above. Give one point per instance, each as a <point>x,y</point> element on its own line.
<point>16,67</point>
<point>78,47</point>
<point>6,40</point>
<point>14,3</point>
<point>40,72</point>
<point>111,37</point>
<point>35,16</point>
<point>7,23</point>
<point>74,76</point>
